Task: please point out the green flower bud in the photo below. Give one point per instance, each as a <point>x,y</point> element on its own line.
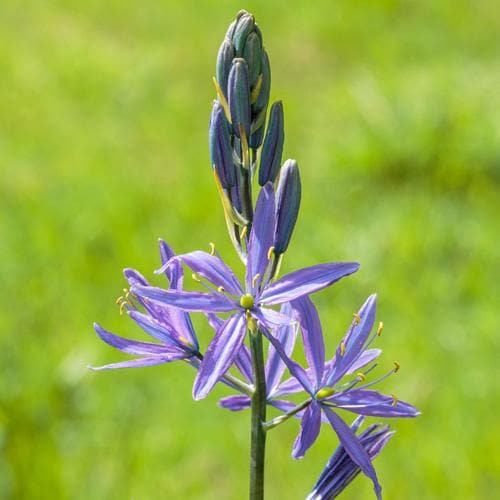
<point>239,97</point>
<point>287,205</point>
<point>270,159</point>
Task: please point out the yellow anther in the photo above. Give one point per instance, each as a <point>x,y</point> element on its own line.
<point>380,328</point>
<point>361,376</point>
<point>325,392</point>
<point>270,253</point>
<point>255,279</point>
<point>244,232</point>
<point>186,342</point>
<point>196,277</point>
<point>357,318</point>
<point>119,300</point>
<point>122,306</point>
<point>212,248</point>
<point>221,289</point>
<point>397,366</point>
<point>342,348</point>
<point>394,400</point>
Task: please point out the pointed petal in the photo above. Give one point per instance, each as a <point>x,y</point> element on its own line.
<point>365,358</point>
<point>271,319</point>
<point>140,363</point>
<point>372,403</point>
<point>213,269</point>
<point>312,336</point>
<point>154,328</point>
<point>275,367</point>
<point>174,272</point>
<point>295,369</point>
<point>188,301</point>
<point>261,238</point>
<point>133,347</point>
<point>220,355</point>
<point>235,403</point>
<point>352,344</point>
<point>243,362</point>
<point>309,430</point>
<point>306,281</point>
<point>354,448</point>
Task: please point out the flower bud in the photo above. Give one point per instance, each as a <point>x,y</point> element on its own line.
<point>253,56</point>
<point>245,24</point>
<point>270,159</point>
<point>239,97</point>
<point>263,98</point>
<point>223,66</point>
<point>221,153</point>
<point>287,205</point>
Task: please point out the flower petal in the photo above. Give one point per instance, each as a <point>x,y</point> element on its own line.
<point>174,272</point>
<point>220,355</point>
<point>271,319</point>
<point>352,344</point>
<point>306,281</point>
<point>235,403</point>
<point>243,362</point>
<point>275,367</point>
<point>354,448</point>
<point>295,369</point>
<point>261,238</point>
<point>309,430</point>
<point>365,358</point>
<point>133,347</point>
<point>213,269</point>
<point>372,403</point>
<point>141,362</point>
<point>312,336</point>
<point>188,301</point>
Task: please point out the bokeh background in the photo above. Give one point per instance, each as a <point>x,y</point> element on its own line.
<point>392,109</point>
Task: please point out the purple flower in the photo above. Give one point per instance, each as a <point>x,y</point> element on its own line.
<point>321,381</point>
<point>340,470</point>
<point>168,325</point>
<point>248,304</point>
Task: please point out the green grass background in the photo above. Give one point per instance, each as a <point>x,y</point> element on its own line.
<point>392,109</point>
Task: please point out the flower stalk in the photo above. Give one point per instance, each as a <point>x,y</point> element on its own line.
<point>257,432</point>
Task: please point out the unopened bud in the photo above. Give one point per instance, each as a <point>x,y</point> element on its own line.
<point>272,149</point>
<point>223,67</point>
<point>245,24</point>
<point>239,97</point>
<point>287,205</point>
<point>253,56</point>
<point>220,147</point>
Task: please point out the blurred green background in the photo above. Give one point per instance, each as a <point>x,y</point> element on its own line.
<point>392,109</point>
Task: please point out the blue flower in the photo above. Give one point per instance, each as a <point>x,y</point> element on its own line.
<point>248,305</point>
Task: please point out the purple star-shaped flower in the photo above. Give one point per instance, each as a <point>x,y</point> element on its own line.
<point>321,382</point>
<point>169,325</point>
<point>248,303</point>
<point>340,470</point>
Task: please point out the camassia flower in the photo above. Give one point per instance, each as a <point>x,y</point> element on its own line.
<point>249,305</point>
<point>169,325</point>
<point>340,470</point>
<point>322,379</point>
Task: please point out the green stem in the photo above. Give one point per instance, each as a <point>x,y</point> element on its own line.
<point>258,434</point>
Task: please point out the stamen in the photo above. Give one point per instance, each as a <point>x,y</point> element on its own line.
<point>357,318</point>
<point>119,299</point>
<point>255,279</point>
<point>221,289</point>
<point>244,232</point>
<point>196,277</point>
<point>212,248</point>
<point>394,400</point>
<point>361,376</point>
<point>380,328</point>
<point>342,348</point>
<point>270,253</point>
<point>397,366</point>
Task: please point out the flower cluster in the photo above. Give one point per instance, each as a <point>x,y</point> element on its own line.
<point>263,305</point>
